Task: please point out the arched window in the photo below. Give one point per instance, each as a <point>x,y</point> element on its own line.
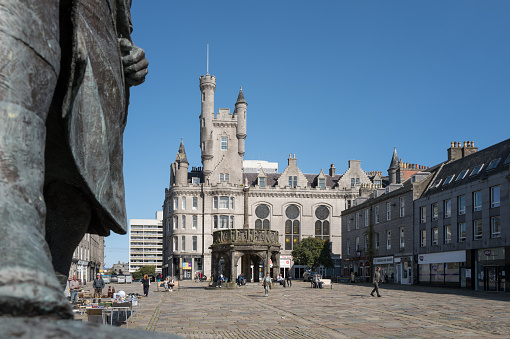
<point>292,226</point>
<point>322,225</point>
<point>262,214</point>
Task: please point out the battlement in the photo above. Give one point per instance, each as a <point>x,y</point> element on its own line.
<point>407,166</point>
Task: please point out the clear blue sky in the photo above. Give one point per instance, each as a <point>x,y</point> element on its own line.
<point>329,81</point>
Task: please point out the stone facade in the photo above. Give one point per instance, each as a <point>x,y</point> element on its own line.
<point>220,195</point>
<point>88,258</point>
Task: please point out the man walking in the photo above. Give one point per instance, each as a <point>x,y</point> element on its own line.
<point>377,279</point>
<point>98,286</point>
<point>266,282</point>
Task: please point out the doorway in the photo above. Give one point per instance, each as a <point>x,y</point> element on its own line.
<point>491,281</point>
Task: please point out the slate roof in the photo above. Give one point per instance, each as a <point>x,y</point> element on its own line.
<point>485,156</point>
<point>272,179</point>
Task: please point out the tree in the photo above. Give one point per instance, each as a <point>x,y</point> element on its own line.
<point>312,252</point>
<point>149,270</point>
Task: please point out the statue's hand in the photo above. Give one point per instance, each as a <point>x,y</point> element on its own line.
<point>134,62</point>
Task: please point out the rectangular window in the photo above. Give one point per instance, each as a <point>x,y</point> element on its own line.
<point>348,225</point>
<point>215,221</point>
<point>357,244</point>
<point>176,222</point>
<point>322,183</point>
<point>223,221</point>
<point>262,182</point>
<point>402,237</point>
<point>366,218</point>
<point>224,177</point>
<point>366,242</point>
<point>183,203</point>
<point>495,193</point>
<point>357,220</point>
<point>423,214</point>
<point>388,211</point>
<point>376,212</point>
<point>223,202</point>
<point>224,143</point>
<point>477,201</point>
<point>195,243</point>
<point>183,221</point>
<point>376,241</point>
<point>477,229</point>
<point>495,227</point>
<point>435,211</point>
<point>461,231</point>
<point>195,203</point>
<point>423,238</point>
<point>176,203</point>
<point>176,244</point>
<point>357,181</point>
<point>183,243</point>
<point>461,204</point>
<point>402,206</point>
<point>195,222</point>
<point>215,203</point>
<point>348,247</point>
<point>448,208</point>
<point>435,236</point>
<point>388,239</point>
<point>195,181</point>
<point>352,182</point>
<point>447,234</point>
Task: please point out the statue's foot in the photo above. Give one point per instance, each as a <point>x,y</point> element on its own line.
<point>32,294</point>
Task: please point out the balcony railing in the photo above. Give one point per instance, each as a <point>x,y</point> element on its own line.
<point>245,236</point>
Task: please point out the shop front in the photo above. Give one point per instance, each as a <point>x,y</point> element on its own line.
<point>387,268</point>
<point>442,269</point>
<point>403,270</point>
<point>490,269</point>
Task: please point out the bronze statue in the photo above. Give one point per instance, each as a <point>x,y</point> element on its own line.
<point>66,69</point>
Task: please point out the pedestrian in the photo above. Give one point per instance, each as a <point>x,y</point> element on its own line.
<point>267,282</point>
<point>289,279</point>
<point>74,286</point>
<point>98,286</point>
<point>146,282</point>
<point>377,279</point>
<point>158,279</point>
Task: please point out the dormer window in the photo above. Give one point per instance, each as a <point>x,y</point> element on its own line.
<point>224,177</point>
<point>262,182</point>
<point>448,180</point>
<point>293,181</point>
<point>476,170</point>
<point>462,175</point>
<point>493,164</point>
<point>195,181</point>
<point>322,183</point>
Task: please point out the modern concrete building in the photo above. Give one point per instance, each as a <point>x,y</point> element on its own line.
<point>146,242</point>
<point>229,193</point>
<point>88,258</point>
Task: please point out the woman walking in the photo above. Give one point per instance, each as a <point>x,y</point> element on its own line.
<point>146,282</point>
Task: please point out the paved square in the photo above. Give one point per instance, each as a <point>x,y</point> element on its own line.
<point>345,311</point>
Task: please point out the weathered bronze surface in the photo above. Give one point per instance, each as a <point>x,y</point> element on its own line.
<point>66,69</point>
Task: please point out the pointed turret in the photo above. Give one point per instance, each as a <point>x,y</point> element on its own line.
<point>392,171</point>
<point>240,113</point>
<point>181,165</point>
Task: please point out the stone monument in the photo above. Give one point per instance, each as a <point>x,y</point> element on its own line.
<point>66,69</point>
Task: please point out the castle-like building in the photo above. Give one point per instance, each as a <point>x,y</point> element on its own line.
<point>221,195</point>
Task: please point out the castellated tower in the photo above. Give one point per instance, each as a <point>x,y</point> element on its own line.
<point>207,88</point>
<point>222,137</point>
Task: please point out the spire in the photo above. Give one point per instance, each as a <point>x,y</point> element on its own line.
<point>240,97</point>
<point>181,155</point>
<point>394,159</point>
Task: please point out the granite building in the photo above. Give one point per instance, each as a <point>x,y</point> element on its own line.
<point>221,195</point>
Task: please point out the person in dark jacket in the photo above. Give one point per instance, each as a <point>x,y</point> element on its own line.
<point>377,279</point>
<point>146,282</point>
<point>98,286</point>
